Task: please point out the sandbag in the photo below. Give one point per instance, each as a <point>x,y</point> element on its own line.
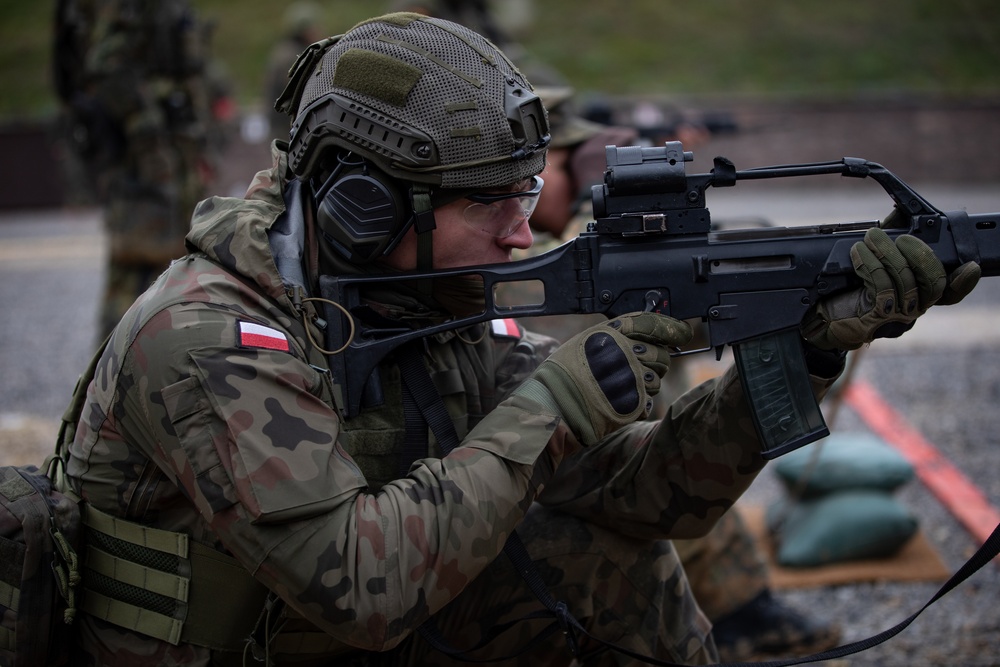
<point>845,461</point>
<point>842,526</point>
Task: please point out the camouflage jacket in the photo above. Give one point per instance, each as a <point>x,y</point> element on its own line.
<point>212,414</point>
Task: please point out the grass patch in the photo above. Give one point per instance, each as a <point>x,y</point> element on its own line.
<point>803,48</point>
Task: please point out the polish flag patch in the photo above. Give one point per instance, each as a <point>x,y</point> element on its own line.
<point>505,327</point>
<point>258,336</point>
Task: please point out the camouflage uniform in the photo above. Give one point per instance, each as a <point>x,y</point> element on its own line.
<point>189,426</point>
<point>135,80</point>
<point>725,568</point>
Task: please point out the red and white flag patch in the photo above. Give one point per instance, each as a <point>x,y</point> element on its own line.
<point>259,336</point>
<point>505,327</point>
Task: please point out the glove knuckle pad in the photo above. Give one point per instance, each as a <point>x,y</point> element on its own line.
<point>612,371</point>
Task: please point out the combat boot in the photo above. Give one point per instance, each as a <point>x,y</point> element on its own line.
<point>765,628</point>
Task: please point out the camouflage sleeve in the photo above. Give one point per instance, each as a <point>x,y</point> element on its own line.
<point>673,478</point>
<point>246,437</point>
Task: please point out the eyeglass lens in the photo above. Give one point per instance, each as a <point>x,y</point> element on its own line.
<point>505,214</point>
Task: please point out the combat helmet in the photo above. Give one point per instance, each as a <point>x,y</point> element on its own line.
<point>417,102</point>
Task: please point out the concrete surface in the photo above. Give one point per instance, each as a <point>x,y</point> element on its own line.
<point>944,377</point>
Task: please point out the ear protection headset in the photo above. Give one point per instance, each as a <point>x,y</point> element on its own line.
<point>360,210</point>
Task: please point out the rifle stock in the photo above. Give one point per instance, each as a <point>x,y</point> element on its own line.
<point>652,247</point>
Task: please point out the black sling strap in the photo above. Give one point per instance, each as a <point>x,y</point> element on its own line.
<point>987,552</point>
<point>423,407</point>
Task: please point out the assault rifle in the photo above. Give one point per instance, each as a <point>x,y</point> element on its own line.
<point>652,247</point>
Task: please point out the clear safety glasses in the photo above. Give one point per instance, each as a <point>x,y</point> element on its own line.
<point>501,214</point>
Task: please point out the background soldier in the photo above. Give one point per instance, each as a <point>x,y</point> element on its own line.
<point>302,21</point>
<point>503,22</point>
<point>145,109</point>
<point>726,569</point>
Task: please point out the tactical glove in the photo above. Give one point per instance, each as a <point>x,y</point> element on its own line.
<point>901,281</point>
<point>605,377</point>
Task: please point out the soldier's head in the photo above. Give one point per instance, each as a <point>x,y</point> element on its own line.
<point>404,115</point>
<point>302,20</point>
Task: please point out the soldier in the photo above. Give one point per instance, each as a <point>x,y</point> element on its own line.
<point>502,22</point>
<point>141,97</point>
<point>726,568</point>
<point>302,21</point>
<point>233,510</point>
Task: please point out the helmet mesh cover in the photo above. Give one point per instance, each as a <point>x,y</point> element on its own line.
<point>437,78</point>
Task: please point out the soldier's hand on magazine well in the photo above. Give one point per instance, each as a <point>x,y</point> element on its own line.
<point>606,376</point>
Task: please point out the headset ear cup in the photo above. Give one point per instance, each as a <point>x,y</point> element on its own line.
<point>362,213</point>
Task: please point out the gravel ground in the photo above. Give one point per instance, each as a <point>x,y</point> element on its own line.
<point>51,262</point>
<point>949,397</point>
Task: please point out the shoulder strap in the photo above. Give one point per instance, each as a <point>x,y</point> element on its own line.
<point>423,407</point>
<point>55,463</point>
<point>987,552</point>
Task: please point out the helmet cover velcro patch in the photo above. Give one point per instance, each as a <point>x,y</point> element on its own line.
<point>378,75</point>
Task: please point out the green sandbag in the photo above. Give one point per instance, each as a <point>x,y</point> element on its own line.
<point>842,526</point>
<point>846,461</point>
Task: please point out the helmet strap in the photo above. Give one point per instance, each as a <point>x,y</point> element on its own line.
<point>424,224</point>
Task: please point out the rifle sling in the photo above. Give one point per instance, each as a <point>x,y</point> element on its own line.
<point>987,552</point>
<point>964,237</point>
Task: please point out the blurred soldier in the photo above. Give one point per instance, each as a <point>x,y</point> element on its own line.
<point>478,15</point>
<point>501,21</point>
<point>726,569</point>
<point>144,113</point>
<point>238,509</point>
<point>302,27</point>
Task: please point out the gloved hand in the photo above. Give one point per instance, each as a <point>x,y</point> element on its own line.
<point>901,281</point>
<point>605,377</point>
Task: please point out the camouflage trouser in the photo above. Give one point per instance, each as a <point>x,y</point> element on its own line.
<point>725,568</point>
<point>622,590</point>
